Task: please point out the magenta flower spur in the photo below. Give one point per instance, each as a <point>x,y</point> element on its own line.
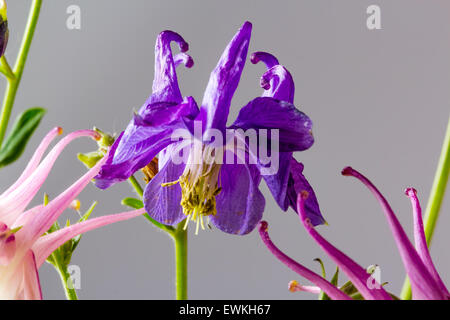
<point>206,185</point>
<point>425,281</point>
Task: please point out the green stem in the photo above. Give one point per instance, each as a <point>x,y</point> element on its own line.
<point>435,200</point>
<point>181,256</point>
<point>66,280</point>
<point>13,83</point>
<point>137,187</point>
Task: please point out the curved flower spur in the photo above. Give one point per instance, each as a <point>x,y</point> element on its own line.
<point>206,184</point>
<point>426,283</point>
<point>24,243</point>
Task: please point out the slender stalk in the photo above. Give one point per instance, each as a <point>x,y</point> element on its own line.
<point>71,293</point>
<point>435,200</point>
<point>66,280</point>
<point>181,259</point>
<point>14,82</point>
<point>137,187</point>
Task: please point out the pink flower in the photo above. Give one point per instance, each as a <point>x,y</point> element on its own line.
<point>23,245</point>
<point>426,283</point>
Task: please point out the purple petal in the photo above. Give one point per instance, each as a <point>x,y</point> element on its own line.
<point>297,184</point>
<point>278,183</point>
<point>294,126</point>
<point>240,204</point>
<point>277,81</point>
<point>185,59</point>
<point>163,203</point>
<point>422,283</point>
<point>165,84</point>
<point>224,80</point>
<point>146,135</point>
<point>420,239</point>
<point>357,275</point>
<point>332,291</point>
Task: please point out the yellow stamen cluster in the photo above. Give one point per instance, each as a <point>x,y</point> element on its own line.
<point>199,188</point>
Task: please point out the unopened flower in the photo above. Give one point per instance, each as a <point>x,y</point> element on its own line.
<point>24,244</point>
<point>4,31</point>
<point>225,193</point>
<point>425,280</point>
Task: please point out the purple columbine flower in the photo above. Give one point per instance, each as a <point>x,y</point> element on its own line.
<point>226,193</point>
<point>425,280</point>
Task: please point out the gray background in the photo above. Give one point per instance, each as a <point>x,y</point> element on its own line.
<point>379,101</point>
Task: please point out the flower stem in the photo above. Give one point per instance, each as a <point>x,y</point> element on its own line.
<point>181,259</point>
<point>71,293</point>
<point>66,280</point>
<point>14,82</point>
<point>435,200</point>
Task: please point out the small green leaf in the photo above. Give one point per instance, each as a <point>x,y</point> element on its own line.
<point>133,203</point>
<point>24,126</point>
<point>334,280</point>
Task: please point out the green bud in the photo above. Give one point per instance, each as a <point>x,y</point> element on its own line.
<point>106,140</point>
<point>90,159</point>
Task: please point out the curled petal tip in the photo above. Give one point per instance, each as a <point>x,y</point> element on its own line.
<point>263,226</point>
<point>168,36</point>
<point>264,83</point>
<point>269,59</point>
<point>410,192</point>
<point>184,46</point>
<point>348,171</point>
<point>254,58</point>
<point>183,58</point>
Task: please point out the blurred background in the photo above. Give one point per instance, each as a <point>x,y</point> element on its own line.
<point>379,100</point>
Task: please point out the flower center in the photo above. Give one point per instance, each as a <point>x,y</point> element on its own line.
<point>199,186</point>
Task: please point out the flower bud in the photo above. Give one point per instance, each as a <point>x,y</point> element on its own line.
<point>4,32</point>
<point>90,159</point>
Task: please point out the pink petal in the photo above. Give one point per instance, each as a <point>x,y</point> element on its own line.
<point>422,283</point>
<point>31,284</point>
<point>35,159</point>
<point>333,292</point>
<point>45,245</point>
<point>18,199</point>
<point>11,283</point>
<point>294,286</point>
<point>40,223</point>
<point>420,239</point>
<point>357,274</point>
